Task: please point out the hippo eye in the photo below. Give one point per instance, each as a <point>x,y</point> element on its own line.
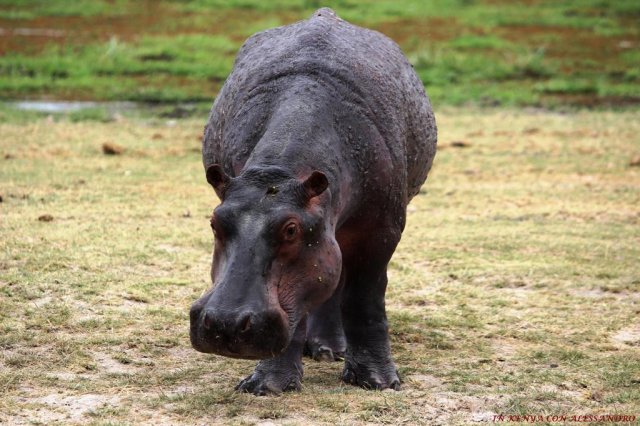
<point>290,231</point>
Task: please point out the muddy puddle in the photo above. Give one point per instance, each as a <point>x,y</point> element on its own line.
<point>61,107</point>
<point>111,110</point>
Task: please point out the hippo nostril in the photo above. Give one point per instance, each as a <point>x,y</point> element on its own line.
<point>194,314</point>
<point>207,320</point>
<point>245,324</point>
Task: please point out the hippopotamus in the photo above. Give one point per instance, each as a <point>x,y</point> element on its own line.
<point>316,143</point>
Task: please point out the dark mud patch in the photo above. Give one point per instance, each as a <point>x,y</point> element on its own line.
<point>568,43</point>
<point>109,148</point>
<point>590,100</point>
<point>460,144</point>
<point>407,32</point>
<point>45,218</point>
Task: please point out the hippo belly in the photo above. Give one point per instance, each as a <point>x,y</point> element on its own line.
<point>317,142</point>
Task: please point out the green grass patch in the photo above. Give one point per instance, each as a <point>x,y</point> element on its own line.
<point>550,54</point>
<point>147,70</point>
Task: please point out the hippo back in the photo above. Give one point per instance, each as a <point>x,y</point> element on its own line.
<point>369,65</point>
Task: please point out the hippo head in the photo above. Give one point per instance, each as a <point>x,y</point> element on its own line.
<point>275,259</point>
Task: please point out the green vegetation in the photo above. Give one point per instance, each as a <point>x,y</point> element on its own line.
<point>544,53</point>
<point>173,69</point>
<point>513,291</point>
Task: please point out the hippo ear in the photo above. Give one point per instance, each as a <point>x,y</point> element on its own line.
<point>218,179</point>
<point>315,184</point>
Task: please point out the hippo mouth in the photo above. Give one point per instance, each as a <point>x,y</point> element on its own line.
<point>238,349</point>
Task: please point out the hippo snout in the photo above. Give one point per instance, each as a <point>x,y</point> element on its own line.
<point>250,334</point>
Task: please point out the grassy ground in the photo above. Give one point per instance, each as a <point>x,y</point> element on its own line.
<point>490,52</point>
<point>515,289</point>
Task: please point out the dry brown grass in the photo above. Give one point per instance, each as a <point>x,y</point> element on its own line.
<point>515,288</point>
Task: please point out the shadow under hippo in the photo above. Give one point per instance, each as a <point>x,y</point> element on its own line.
<point>318,140</point>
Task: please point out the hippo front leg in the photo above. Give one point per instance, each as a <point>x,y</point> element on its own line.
<point>368,361</point>
<point>325,333</point>
<point>280,374</point>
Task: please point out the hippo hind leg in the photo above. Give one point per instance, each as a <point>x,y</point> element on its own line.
<point>368,361</point>
<point>325,335</point>
<point>280,374</point>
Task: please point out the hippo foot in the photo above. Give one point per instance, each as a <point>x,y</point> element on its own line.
<point>371,376</point>
<point>322,352</point>
<point>263,383</point>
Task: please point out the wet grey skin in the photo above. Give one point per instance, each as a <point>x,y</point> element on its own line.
<point>317,142</point>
